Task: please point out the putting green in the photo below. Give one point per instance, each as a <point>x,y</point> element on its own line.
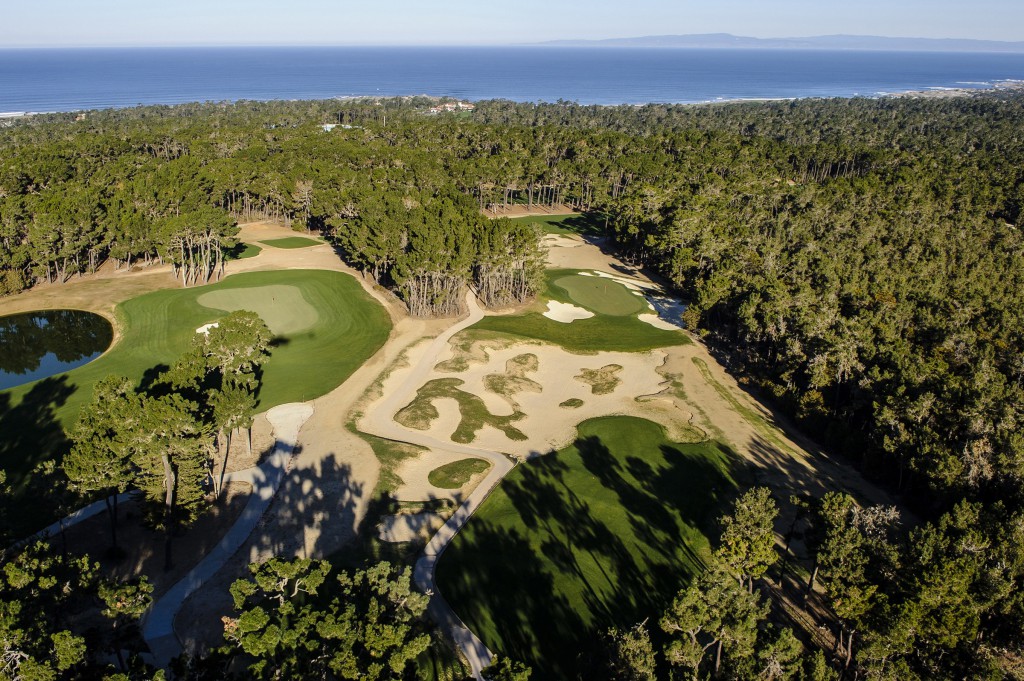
<point>601,294</point>
<point>282,308</point>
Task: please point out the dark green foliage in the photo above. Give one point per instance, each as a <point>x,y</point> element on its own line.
<point>296,623</point>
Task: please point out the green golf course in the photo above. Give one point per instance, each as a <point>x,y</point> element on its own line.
<point>601,533</point>
<point>325,326</point>
<point>614,326</point>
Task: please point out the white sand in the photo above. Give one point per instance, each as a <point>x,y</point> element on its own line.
<point>657,322</point>
<point>546,425</point>
<point>566,312</point>
<point>559,241</point>
<point>205,328</point>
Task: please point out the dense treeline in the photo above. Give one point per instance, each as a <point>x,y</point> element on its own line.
<point>860,260</point>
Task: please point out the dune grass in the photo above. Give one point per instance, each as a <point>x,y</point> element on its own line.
<point>291,242</point>
<point>457,473</point>
<point>602,533</point>
<point>156,328</point>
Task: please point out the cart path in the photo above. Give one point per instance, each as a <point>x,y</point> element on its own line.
<point>380,421</point>
<point>158,625</point>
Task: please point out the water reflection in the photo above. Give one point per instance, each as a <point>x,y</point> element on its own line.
<point>35,345</point>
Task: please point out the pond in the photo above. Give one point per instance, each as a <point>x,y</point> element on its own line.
<point>34,345</point>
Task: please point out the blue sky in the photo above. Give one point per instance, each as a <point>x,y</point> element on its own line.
<point>475,22</point>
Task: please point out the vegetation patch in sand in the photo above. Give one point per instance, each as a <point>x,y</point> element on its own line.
<point>602,381</point>
<point>571,403</point>
<point>457,474</point>
<point>291,242</point>
<point>474,414</point>
<point>514,379</point>
<point>599,534</point>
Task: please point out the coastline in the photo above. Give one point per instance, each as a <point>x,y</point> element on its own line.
<point>56,81</point>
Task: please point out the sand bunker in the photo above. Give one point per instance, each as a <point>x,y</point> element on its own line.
<point>659,323</point>
<point>566,312</point>
<point>559,241</point>
<point>554,388</point>
<point>282,307</point>
<point>205,328</point>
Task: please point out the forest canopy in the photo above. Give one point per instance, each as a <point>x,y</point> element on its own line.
<point>860,261</point>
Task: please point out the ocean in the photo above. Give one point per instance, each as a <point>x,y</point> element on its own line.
<point>43,80</point>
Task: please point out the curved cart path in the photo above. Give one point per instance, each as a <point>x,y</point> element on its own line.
<point>158,625</point>
<point>380,421</point>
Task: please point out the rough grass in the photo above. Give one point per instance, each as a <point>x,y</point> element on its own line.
<point>456,474</point>
<point>420,413</point>
<point>601,332</point>
<point>291,242</point>
<point>601,295</point>
<point>571,403</point>
<point>602,533</point>
<point>156,328</point>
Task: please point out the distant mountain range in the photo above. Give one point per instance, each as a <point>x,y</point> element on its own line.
<point>823,42</point>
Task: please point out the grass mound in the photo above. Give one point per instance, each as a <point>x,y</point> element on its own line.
<point>601,295</point>
<point>601,533</point>
<point>291,242</point>
<point>457,473</point>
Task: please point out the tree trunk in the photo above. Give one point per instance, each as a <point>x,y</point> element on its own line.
<point>224,464</point>
<point>168,509</point>
<point>112,513</point>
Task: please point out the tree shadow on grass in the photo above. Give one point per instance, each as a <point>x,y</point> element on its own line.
<point>575,542</point>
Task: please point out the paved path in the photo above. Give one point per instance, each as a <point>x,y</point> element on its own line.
<point>380,421</point>
<point>157,627</point>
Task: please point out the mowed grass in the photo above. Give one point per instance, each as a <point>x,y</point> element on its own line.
<point>158,327</point>
<point>602,533</point>
<point>602,295</point>
<point>291,242</point>
<point>602,332</point>
<point>585,224</point>
<point>457,473</point>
